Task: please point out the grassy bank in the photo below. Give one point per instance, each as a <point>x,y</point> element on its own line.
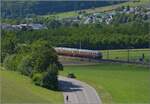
<point>17,88</point>
<point>116,83</point>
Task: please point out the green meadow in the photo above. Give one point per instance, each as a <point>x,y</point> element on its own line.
<point>122,54</point>
<point>115,83</point>
<point>16,88</point>
<point>62,15</point>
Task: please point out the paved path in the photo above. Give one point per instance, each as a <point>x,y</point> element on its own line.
<point>78,92</point>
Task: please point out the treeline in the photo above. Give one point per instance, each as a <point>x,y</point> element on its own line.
<point>93,36</point>
<point>21,9</point>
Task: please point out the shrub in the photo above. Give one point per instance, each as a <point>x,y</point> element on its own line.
<point>71,75</point>
<point>37,78</point>
<point>50,81</point>
<point>9,62</point>
<point>26,66</point>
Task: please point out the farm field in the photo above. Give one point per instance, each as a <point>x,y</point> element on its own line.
<point>17,88</point>
<point>122,54</point>
<point>62,15</point>
<point>115,83</point>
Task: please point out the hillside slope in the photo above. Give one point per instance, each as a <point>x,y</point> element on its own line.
<point>19,89</point>
<point>13,9</point>
<point>98,9</point>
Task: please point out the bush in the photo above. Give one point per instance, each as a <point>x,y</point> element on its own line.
<point>25,66</point>
<point>71,75</point>
<point>9,62</point>
<point>50,80</point>
<point>37,78</point>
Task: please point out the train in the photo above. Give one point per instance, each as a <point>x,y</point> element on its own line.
<point>78,52</point>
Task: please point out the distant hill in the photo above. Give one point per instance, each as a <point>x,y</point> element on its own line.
<point>14,9</point>
<point>106,8</point>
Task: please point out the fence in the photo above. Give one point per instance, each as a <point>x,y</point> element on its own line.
<point>128,55</point>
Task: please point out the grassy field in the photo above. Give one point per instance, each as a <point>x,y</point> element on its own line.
<point>16,88</point>
<point>134,54</point>
<point>62,15</point>
<point>98,9</point>
<point>115,83</point>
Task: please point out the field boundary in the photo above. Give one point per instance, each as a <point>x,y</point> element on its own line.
<point>123,61</point>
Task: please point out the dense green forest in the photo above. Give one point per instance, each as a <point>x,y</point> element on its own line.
<point>21,9</point>
<point>99,36</point>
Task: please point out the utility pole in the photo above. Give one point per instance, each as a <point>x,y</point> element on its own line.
<point>149,57</point>
<point>80,44</point>
<point>128,55</point>
<point>107,54</point>
<point>80,47</point>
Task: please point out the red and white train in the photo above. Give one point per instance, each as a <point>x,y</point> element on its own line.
<point>78,52</point>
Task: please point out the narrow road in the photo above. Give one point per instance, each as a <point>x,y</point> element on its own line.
<point>78,92</point>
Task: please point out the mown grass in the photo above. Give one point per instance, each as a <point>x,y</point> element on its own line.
<point>115,83</point>
<point>16,88</point>
<point>134,54</point>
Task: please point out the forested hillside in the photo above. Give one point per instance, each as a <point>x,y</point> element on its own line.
<point>19,9</point>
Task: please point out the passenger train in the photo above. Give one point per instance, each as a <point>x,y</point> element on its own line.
<point>78,52</point>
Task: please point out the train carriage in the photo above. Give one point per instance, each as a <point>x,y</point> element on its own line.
<point>78,52</point>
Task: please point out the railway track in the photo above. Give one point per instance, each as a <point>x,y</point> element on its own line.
<point>77,60</point>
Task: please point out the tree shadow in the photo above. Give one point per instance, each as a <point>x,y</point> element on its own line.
<point>68,86</point>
